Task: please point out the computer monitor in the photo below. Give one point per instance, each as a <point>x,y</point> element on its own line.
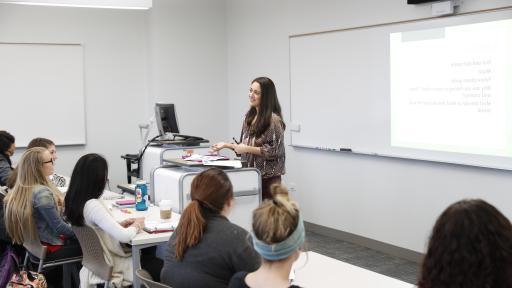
<point>166,120</point>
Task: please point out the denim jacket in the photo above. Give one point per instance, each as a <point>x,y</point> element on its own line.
<point>47,218</point>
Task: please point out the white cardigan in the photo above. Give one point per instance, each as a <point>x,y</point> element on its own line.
<point>111,233</point>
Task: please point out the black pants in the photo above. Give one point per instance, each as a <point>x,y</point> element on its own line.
<point>66,275</point>
<point>151,263</point>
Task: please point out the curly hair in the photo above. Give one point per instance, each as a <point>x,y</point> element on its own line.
<point>470,246</point>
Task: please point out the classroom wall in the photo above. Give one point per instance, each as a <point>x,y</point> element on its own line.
<point>187,64</point>
<point>395,201</point>
<point>115,55</point>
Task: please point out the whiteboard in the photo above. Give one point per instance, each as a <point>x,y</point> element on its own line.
<point>340,91</point>
<point>42,91</point>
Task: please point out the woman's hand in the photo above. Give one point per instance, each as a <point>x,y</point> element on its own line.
<point>240,148</point>
<point>128,222</point>
<point>138,223</point>
<point>221,145</point>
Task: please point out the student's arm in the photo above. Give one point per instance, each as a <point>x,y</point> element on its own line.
<point>45,204</point>
<point>5,171</point>
<point>245,257</point>
<point>97,214</point>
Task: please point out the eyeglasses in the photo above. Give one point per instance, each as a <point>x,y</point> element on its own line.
<point>49,161</point>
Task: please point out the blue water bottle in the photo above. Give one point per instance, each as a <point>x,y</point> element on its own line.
<point>141,195</point>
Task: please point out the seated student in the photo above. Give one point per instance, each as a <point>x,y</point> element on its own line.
<point>35,206</point>
<point>206,249</point>
<point>58,180</point>
<point>470,247</point>
<point>278,235</point>
<point>7,147</point>
<point>83,207</point>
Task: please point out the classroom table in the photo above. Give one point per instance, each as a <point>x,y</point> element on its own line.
<point>143,239</point>
<point>316,270</point>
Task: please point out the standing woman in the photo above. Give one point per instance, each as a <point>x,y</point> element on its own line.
<point>262,138</point>
<point>7,147</point>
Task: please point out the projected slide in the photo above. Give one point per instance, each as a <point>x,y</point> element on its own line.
<point>451,89</point>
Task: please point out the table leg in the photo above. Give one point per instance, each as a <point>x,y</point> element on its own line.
<point>136,264</point>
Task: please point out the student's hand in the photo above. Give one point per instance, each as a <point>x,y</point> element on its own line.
<point>128,222</point>
<point>138,223</point>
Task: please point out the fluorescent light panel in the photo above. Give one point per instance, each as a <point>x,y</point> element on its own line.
<point>113,4</point>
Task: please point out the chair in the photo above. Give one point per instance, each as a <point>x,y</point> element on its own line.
<point>34,247</point>
<point>147,281</point>
<point>93,257</point>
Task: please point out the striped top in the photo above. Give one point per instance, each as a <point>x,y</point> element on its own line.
<point>271,143</point>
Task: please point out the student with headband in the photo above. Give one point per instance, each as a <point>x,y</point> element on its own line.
<point>278,236</point>
<point>206,250</point>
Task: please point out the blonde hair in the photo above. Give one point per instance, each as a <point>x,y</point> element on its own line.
<point>18,202</point>
<point>275,220</point>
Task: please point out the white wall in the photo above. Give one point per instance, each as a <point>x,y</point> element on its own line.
<point>115,50</point>
<point>395,201</point>
<point>187,40</point>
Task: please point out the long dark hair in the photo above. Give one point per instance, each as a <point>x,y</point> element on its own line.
<point>268,104</point>
<point>6,140</point>
<point>210,191</point>
<point>470,247</point>
<point>87,182</point>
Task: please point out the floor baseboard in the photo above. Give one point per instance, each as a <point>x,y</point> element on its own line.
<point>366,242</point>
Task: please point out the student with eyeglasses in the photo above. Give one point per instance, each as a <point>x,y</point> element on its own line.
<point>7,147</point>
<point>262,137</point>
<point>35,205</point>
<point>58,180</point>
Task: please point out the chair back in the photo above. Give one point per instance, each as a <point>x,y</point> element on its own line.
<point>33,245</point>
<point>93,257</point>
<point>147,281</point>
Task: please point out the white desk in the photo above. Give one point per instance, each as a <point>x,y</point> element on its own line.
<point>143,239</point>
<point>315,270</point>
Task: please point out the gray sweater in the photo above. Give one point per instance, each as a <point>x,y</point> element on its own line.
<point>5,169</point>
<point>224,249</point>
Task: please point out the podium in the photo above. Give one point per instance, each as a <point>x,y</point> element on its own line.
<point>173,182</point>
<point>155,156</point>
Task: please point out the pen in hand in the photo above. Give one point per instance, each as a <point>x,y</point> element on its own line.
<point>235,141</point>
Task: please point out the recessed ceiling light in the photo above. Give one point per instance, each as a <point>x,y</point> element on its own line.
<point>113,4</point>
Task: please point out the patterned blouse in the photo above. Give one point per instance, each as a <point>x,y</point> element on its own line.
<point>271,162</point>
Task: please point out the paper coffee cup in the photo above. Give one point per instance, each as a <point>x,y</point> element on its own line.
<point>165,209</point>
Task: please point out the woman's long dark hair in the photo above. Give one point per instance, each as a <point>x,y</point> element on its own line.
<point>268,104</point>
<point>6,140</point>
<point>210,191</point>
<point>87,182</point>
<point>470,247</point>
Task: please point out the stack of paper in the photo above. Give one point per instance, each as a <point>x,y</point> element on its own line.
<point>158,226</point>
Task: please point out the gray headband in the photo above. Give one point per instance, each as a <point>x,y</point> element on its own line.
<point>284,248</point>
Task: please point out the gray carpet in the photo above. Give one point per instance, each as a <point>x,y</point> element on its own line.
<point>363,257</point>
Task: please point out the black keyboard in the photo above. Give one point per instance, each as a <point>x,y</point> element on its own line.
<point>187,137</point>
